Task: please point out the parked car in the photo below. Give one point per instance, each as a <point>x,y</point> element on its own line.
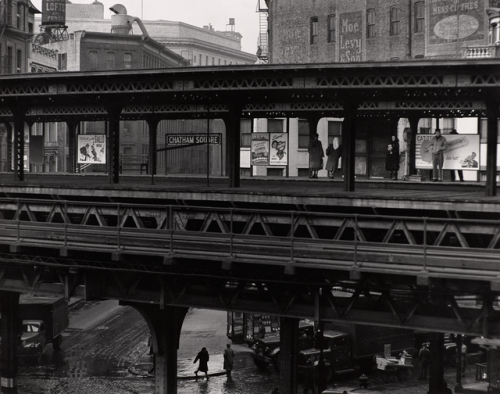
<point>33,340</point>
<point>266,351</point>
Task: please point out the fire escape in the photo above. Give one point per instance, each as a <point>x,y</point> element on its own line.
<point>263,46</point>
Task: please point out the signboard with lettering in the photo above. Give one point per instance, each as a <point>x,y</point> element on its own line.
<point>462,152</point>
<point>260,149</point>
<point>91,149</point>
<point>278,155</point>
<point>351,37</point>
<point>192,139</point>
<point>54,12</point>
<point>453,24</point>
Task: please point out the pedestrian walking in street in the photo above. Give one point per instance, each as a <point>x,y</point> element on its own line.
<point>203,358</point>
<point>424,357</point>
<point>262,331</point>
<point>333,152</point>
<point>459,172</point>
<point>316,155</point>
<point>392,159</point>
<point>463,353</point>
<point>228,360</point>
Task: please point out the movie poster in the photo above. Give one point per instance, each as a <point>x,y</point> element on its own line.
<point>279,149</point>
<point>91,149</point>
<point>260,149</point>
<point>462,152</point>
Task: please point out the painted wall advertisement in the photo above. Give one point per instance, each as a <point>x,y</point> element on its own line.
<point>260,149</point>
<point>279,149</point>
<point>350,37</point>
<point>91,149</point>
<point>53,12</point>
<point>452,22</point>
<point>462,152</point>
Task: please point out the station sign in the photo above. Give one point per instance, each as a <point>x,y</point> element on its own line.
<point>192,139</point>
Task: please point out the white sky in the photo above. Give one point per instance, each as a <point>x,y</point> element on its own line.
<point>194,12</point>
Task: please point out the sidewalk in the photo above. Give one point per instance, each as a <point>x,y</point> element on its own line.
<point>185,367</point>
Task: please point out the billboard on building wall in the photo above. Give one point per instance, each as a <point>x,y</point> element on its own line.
<point>351,37</point>
<point>462,152</point>
<point>259,153</point>
<point>91,149</point>
<point>452,24</point>
<point>278,153</point>
<point>54,12</point>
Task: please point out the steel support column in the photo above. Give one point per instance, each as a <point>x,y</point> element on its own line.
<point>233,137</point>
<point>71,127</point>
<point>114,144</point>
<point>458,384</point>
<point>436,364</point>
<point>9,329</point>
<point>152,122</point>
<point>348,145</point>
<point>413,120</point>
<point>289,332</point>
<point>493,112</point>
<point>165,328</point>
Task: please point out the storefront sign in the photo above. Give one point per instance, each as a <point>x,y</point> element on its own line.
<point>462,152</point>
<point>91,149</point>
<point>351,37</point>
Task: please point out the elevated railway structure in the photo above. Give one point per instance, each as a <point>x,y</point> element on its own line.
<point>415,255</point>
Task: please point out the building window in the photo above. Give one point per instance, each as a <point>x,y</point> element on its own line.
<point>9,60</point>
<point>19,61</point>
<point>62,60</point>
<point>395,21</point>
<point>370,23</point>
<point>127,61</point>
<point>314,30</point>
<point>246,133</point>
<point>331,28</point>
<point>92,60</point>
<point>110,61</point>
<point>419,17</point>
<point>334,130</point>
<point>20,16</point>
<point>206,60</point>
<point>303,134</point>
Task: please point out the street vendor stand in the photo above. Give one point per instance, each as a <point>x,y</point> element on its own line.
<point>394,369</point>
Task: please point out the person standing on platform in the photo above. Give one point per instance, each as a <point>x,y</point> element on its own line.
<point>437,146</point>
<point>228,360</point>
<point>392,159</point>
<point>452,172</point>
<point>316,155</point>
<point>333,152</point>
<point>203,357</point>
<point>424,357</point>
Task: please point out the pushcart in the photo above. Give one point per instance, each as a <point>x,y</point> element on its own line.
<point>394,369</point>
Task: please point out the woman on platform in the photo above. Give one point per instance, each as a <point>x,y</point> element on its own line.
<point>316,155</point>
<point>333,152</point>
<point>392,160</point>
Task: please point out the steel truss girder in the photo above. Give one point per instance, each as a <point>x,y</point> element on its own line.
<point>368,243</point>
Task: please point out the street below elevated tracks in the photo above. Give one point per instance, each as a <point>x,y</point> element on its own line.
<point>105,350</point>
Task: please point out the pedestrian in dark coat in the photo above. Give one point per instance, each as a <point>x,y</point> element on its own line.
<point>228,360</point>
<point>316,155</point>
<point>392,160</point>
<point>424,357</point>
<point>333,152</point>
<point>203,357</point>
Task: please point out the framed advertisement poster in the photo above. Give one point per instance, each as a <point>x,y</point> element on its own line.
<point>260,149</point>
<point>91,149</point>
<point>278,154</point>
<point>462,152</point>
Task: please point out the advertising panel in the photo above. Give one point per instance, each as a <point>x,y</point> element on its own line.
<point>54,12</point>
<point>462,152</point>
<point>92,149</point>
<point>260,149</point>
<point>350,37</point>
<point>451,22</point>
<point>278,155</point>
